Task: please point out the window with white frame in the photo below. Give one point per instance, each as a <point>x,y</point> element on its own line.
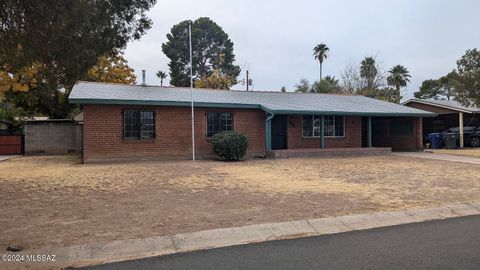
<point>334,126</point>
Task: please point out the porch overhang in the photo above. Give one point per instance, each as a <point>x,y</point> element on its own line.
<point>347,113</point>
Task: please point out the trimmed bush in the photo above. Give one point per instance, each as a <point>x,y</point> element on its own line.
<point>229,145</point>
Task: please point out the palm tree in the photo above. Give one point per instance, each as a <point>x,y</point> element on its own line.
<point>328,85</point>
<point>399,77</point>
<point>331,79</point>
<point>368,71</point>
<point>320,53</point>
<point>162,76</point>
<point>303,86</point>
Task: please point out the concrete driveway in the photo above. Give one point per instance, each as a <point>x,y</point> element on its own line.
<point>437,156</point>
<point>7,157</point>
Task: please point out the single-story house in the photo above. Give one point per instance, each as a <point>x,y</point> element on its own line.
<point>5,127</point>
<point>450,114</point>
<point>138,121</point>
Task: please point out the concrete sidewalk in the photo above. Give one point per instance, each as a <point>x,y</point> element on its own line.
<point>99,253</point>
<point>7,157</point>
<point>446,157</point>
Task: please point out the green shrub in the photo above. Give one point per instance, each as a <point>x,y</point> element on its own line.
<point>230,145</point>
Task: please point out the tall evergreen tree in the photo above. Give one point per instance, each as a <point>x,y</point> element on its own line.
<point>212,50</point>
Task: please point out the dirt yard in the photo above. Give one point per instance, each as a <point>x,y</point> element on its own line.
<point>55,201</point>
<point>469,152</point>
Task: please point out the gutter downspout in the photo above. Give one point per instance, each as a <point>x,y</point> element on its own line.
<point>268,129</point>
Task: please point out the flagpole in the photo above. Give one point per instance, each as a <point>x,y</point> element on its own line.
<point>191,88</point>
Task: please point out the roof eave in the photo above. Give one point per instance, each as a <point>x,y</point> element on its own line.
<point>162,103</point>
<point>375,114</point>
<point>426,102</point>
<point>240,106</point>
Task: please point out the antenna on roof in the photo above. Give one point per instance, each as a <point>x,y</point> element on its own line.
<point>144,83</point>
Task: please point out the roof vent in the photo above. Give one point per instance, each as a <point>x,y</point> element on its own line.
<point>144,83</point>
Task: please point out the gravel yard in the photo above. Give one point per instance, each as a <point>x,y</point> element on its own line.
<point>56,201</point>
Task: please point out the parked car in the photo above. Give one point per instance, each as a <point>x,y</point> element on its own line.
<point>471,135</point>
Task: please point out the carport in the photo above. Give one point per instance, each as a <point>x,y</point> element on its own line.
<point>449,114</point>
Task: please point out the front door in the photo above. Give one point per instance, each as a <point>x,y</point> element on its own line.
<point>279,132</point>
<point>364,131</point>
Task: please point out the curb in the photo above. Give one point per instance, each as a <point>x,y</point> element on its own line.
<point>121,250</point>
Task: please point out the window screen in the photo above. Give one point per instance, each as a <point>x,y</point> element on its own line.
<point>218,122</point>
<point>334,126</point>
<point>138,124</point>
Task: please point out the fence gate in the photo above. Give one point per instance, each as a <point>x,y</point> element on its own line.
<point>11,144</point>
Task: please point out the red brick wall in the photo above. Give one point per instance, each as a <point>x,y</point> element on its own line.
<point>400,143</point>
<point>103,137</point>
<point>353,135</point>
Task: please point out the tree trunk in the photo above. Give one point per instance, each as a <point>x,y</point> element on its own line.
<point>397,100</point>
<point>321,70</point>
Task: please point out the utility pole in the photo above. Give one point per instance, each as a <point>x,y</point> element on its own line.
<point>248,81</point>
<point>191,88</point>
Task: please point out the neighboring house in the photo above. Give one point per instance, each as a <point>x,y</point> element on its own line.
<point>450,114</point>
<point>78,118</point>
<point>133,121</point>
<point>5,127</point>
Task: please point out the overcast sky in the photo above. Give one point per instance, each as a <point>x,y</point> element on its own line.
<point>274,39</point>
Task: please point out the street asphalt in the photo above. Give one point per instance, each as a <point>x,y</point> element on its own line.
<point>443,244</point>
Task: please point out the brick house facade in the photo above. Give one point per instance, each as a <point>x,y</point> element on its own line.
<point>352,138</point>
<point>103,133</point>
<point>146,122</point>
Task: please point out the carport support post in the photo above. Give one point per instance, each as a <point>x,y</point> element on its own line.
<point>322,132</point>
<point>460,125</point>
<point>369,131</point>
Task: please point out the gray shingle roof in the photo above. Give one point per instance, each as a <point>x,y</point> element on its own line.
<point>449,104</point>
<point>274,102</point>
